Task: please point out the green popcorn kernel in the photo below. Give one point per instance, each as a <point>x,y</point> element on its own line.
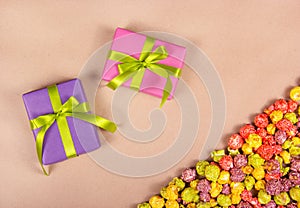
<point>178,182</point>
<point>224,200</point>
<point>212,172</point>
<point>217,155</point>
<point>295,193</point>
<point>264,197</point>
<point>282,199</point>
<point>200,167</point>
<point>255,160</point>
<point>249,182</point>
<point>190,195</point>
<point>144,205</point>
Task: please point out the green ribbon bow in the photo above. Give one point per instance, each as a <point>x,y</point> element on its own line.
<point>71,108</point>
<point>131,67</point>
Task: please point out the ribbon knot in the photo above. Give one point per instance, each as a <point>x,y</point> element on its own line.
<point>130,67</point>
<point>71,108</point>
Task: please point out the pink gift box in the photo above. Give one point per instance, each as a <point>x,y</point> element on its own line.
<point>132,43</point>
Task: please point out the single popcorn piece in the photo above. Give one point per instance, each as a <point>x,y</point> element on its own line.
<point>246,130</point>
<point>276,116</point>
<point>258,173</point>
<point>171,204</point>
<point>144,205</point>
<point>235,198</point>
<point>296,140</point>
<point>294,151</point>
<point>237,175</point>
<point>295,94</point>
<point>271,128</point>
<point>203,205</point>
<point>226,162</point>
<point>291,117</point>
<point>224,200</point>
<point>204,186</point>
<point>194,183</point>
<point>190,195</point>
<point>285,155</point>
<point>224,177</point>
<point>200,167</point>
<point>254,140</point>
<point>212,172</point>
<point>260,185</point>
<point>264,197</point>
<point>215,189</point>
<point>172,192</point>
<point>261,120</point>
<point>188,175</point>
<point>282,199</point>
<point>179,183</point>
<point>247,149</point>
<point>240,161</point>
<point>255,160</point>
<point>237,187</point>
<point>235,141</point>
<point>249,182</point>
<point>217,155</point>
<point>295,193</point>
<point>157,202</point>
<point>247,169</point>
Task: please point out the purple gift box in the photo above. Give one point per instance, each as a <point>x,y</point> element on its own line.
<point>84,135</point>
<point>131,43</point>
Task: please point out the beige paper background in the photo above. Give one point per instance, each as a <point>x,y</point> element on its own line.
<point>254,46</point>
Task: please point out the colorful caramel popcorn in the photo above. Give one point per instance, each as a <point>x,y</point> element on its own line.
<point>259,168</point>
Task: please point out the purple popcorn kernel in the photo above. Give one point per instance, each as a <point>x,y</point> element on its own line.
<point>271,204</point>
<point>273,187</point>
<point>293,205</point>
<point>204,186</point>
<point>272,166</point>
<point>237,175</point>
<point>294,177</point>
<point>204,197</point>
<point>226,189</point>
<point>244,205</point>
<point>286,185</point>
<point>295,164</point>
<point>188,175</point>
<point>240,161</point>
<point>280,136</point>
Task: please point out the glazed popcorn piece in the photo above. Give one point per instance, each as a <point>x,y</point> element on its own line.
<point>259,168</point>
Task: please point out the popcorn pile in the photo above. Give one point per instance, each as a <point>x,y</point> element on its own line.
<point>259,168</point>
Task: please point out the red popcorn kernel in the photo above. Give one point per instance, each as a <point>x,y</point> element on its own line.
<point>261,132</point>
<point>292,106</point>
<point>246,130</point>
<point>246,195</point>
<point>269,139</point>
<point>266,151</point>
<point>235,141</point>
<point>277,149</point>
<point>261,120</point>
<point>269,109</point>
<point>271,176</point>
<point>226,162</point>
<point>281,105</point>
<point>284,125</point>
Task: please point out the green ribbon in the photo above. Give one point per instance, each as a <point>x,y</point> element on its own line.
<point>130,67</point>
<point>71,108</point>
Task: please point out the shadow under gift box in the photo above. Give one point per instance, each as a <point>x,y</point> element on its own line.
<point>84,134</point>
<point>131,43</point>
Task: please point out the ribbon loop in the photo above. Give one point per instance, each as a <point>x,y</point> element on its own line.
<point>130,67</point>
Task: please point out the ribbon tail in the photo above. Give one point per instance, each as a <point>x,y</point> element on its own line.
<point>120,79</point>
<point>166,92</point>
<point>137,79</point>
<point>39,146</point>
<point>96,120</point>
